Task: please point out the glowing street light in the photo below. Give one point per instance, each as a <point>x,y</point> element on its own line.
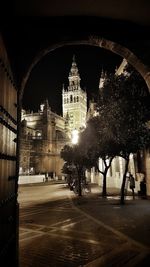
<point>75,137</point>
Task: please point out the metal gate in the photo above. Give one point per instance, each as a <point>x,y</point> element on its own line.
<point>8,164</point>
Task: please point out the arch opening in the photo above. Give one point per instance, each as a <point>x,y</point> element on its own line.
<point>95,42</point>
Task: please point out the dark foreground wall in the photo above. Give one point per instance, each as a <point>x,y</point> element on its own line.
<point>8,167</point>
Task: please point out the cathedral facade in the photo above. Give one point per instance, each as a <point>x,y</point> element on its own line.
<point>44,133</point>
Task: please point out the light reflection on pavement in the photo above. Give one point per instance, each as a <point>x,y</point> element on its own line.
<point>55,232</point>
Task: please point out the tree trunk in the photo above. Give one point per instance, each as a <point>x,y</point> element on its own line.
<point>104,192</point>
<point>124,182</point>
<point>79,186</point>
<point>79,172</point>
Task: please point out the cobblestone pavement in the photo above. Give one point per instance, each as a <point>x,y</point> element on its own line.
<point>55,232</point>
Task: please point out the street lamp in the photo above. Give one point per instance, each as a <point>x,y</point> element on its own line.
<point>75,137</point>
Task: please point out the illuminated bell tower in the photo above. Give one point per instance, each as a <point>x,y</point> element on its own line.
<point>74,100</point>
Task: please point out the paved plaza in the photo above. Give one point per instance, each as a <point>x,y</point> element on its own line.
<point>58,229</point>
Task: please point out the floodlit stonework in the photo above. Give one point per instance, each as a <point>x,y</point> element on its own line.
<point>43,135</point>
<point>74,100</point>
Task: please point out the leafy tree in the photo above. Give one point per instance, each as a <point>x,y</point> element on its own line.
<point>74,156</point>
<point>98,143</point>
<point>124,101</point>
<point>67,169</point>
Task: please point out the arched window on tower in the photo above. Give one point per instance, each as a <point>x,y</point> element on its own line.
<point>67,100</point>
<point>71,99</point>
<point>77,99</point>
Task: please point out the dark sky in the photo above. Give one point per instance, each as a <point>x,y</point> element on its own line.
<point>52,71</point>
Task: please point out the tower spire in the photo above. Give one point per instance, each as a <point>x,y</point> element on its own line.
<point>74,58</point>
<point>74,77</point>
<point>102,79</point>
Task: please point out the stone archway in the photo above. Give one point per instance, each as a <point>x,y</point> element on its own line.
<point>98,42</point>
<point>8,203</point>
<point>114,47</point>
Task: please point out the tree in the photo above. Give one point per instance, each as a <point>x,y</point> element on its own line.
<point>98,143</point>
<point>75,156</point>
<point>124,101</point>
<point>67,169</point>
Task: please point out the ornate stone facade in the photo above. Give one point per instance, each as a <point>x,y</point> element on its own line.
<point>43,135</point>
<point>74,100</point>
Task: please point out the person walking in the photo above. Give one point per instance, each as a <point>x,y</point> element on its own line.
<point>132,184</point>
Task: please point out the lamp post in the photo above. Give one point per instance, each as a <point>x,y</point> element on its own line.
<point>75,137</point>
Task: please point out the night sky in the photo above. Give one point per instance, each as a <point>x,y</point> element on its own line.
<point>52,71</point>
